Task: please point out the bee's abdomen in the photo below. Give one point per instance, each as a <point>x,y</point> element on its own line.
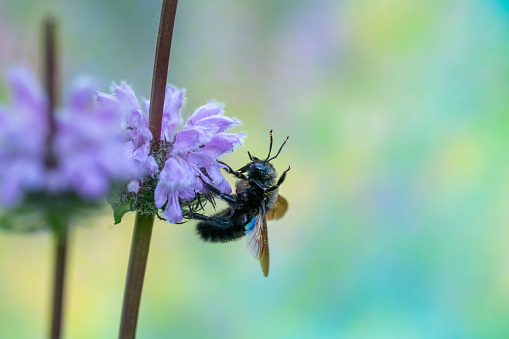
<point>209,231</point>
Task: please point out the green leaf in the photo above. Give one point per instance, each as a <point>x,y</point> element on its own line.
<point>119,203</point>
<point>119,210</point>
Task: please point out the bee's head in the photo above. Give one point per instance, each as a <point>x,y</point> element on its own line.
<point>262,169</point>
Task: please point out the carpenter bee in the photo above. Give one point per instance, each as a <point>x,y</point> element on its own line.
<point>256,200</point>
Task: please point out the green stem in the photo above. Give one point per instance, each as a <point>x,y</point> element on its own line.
<point>60,234</point>
<point>135,275</point>
<point>144,223</point>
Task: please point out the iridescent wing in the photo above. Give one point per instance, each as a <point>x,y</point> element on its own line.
<point>278,210</point>
<point>257,239</point>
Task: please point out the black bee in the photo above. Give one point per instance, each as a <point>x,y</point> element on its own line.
<point>255,201</point>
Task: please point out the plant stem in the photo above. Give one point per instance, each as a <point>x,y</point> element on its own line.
<point>59,227</point>
<point>161,62</point>
<point>144,223</point>
<point>136,272</point>
<point>61,239</point>
<point>50,82</point>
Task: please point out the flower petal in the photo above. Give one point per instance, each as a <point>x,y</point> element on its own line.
<point>133,186</point>
<point>219,180</point>
<point>81,96</point>
<point>209,109</point>
<point>173,102</point>
<point>222,143</point>
<point>218,123</point>
<point>190,139</point>
<point>27,94</point>
<point>175,176</point>
<point>126,96</point>
<point>173,212</point>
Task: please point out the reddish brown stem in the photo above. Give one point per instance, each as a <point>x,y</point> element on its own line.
<point>144,223</point>
<point>50,81</point>
<point>161,62</point>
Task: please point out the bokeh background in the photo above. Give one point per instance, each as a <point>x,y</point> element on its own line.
<point>398,116</point>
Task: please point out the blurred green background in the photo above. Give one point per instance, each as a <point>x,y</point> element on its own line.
<point>398,116</point>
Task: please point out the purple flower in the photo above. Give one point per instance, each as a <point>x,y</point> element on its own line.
<point>175,183</point>
<point>135,123</point>
<point>22,131</point>
<point>88,144</point>
<point>188,155</point>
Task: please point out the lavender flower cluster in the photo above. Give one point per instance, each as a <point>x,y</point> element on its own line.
<point>86,146</point>
<point>186,157</point>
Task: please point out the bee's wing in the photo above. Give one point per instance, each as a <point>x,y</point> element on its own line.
<point>258,241</point>
<point>279,209</point>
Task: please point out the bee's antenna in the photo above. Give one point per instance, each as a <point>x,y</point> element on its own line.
<point>280,148</point>
<point>250,157</point>
<point>270,147</point>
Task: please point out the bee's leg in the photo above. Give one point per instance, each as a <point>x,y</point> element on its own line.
<point>226,197</point>
<point>279,182</point>
<point>282,177</point>
<point>214,222</point>
<point>198,216</point>
<point>231,171</point>
<point>209,198</point>
<point>271,188</point>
